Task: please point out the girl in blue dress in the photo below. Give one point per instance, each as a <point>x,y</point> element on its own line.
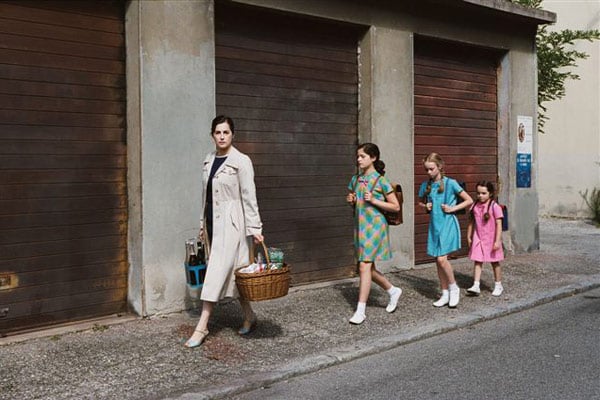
<point>439,195</point>
<point>369,193</point>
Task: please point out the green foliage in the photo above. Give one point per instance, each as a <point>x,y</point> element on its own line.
<point>555,55</point>
<point>593,202</point>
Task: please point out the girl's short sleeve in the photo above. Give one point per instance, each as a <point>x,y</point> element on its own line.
<point>352,184</point>
<point>497,211</point>
<point>422,190</point>
<point>385,185</point>
<point>455,186</point>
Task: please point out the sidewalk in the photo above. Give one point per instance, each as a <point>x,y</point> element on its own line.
<point>302,332</point>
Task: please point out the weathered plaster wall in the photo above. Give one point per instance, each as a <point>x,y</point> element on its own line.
<point>171,95</point>
<point>570,149</point>
<point>523,202</point>
<point>386,119</point>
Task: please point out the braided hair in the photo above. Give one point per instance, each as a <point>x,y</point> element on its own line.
<point>492,190</point>
<point>437,160</point>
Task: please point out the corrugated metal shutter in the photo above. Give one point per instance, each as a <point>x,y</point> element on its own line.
<point>455,115</point>
<point>63,196</point>
<point>291,85</point>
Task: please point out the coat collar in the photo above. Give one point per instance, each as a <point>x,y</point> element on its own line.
<point>233,158</point>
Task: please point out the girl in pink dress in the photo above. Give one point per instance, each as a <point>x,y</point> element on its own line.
<point>484,237</point>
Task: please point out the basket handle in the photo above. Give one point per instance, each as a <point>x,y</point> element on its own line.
<point>264,249</point>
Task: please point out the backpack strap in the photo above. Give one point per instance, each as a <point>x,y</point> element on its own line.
<point>501,208</point>
<point>375,185</point>
<point>446,191</point>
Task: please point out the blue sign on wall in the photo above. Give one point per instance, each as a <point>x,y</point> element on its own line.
<point>523,170</point>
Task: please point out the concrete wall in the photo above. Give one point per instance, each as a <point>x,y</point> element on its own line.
<point>523,202</point>
<point>171,85</point>
<point>171,88</point>
<point>386,119</point>
<point>570,149</point>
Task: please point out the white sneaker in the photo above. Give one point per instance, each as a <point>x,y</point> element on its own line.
<point>474,290</point>
<point>442,301</point>
<point>358,318</point>
<point>498,289</point>
<point>391,307</point>
<point>454,297</point>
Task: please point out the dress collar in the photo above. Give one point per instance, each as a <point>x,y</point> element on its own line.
<point>369,175</point>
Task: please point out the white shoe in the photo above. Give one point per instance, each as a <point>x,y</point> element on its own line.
<point>498,289</point>
<point>391,307</point>
<point>474,290</point>
<point>454,297</point>
<point>358,318</point>
<point>442,301</point>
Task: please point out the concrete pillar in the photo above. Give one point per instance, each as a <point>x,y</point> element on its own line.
<point>506,156</point>
<point>523,202</point>
<point>171,101</point>
<point>386,119</point>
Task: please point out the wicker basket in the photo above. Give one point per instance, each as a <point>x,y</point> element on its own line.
<point>264,285</point>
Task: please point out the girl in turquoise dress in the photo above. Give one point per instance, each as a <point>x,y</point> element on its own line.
<point>439,195</point>
<point>370,193</point>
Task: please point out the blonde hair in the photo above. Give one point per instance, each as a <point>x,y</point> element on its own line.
<point>437,160</point>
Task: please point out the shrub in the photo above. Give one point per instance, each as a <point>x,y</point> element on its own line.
<point>592,200</point>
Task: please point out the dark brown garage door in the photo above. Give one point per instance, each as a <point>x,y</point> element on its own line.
<point>63,198</point>
<point>291,85</point>
<point>455,115</point>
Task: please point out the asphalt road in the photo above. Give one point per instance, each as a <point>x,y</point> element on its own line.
<point>548,352</point>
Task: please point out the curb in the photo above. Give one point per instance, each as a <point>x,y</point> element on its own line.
<point>342,355</point>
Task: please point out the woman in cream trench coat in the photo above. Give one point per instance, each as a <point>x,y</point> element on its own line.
<point>235,218</point>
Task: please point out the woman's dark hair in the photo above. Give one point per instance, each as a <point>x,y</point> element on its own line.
<point>219,119</point>
<point>372,150</point>
<point>492,190</point>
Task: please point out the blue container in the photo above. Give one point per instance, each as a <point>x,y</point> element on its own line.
<point>195,274</point>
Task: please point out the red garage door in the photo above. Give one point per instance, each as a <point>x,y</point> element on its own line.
<point>456,116</point>
<point>291,85</point>
<point>63,199</point>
